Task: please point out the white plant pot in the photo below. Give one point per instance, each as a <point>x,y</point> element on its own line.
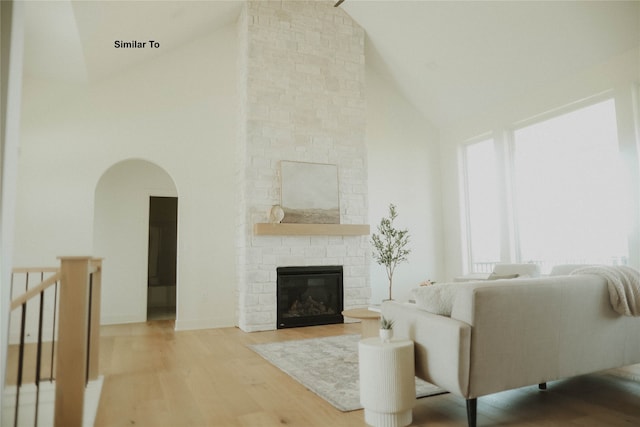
<point>386,335</point>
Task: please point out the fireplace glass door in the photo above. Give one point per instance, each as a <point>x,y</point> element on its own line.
<point>309,296</point>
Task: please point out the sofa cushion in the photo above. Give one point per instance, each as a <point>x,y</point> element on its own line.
<point>438,298</point>
<point>565,269</point>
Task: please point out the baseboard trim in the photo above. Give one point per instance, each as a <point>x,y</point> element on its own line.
<point>119,320</point>
<point>193,324</point>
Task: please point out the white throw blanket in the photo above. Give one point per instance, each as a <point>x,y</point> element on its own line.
<point>624,287</point>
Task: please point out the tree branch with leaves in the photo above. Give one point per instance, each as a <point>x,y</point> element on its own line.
<point>390,245</point>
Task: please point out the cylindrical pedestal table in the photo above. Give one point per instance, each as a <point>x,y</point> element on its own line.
<point>387,382</point>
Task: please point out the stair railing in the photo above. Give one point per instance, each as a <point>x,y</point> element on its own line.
<point>72,325</point>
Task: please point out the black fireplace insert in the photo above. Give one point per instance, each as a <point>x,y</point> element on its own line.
<point>309,296</point>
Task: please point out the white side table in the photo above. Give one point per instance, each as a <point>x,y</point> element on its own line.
<point>387,382</point>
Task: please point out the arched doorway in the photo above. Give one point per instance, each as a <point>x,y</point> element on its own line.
<point>123,219</point>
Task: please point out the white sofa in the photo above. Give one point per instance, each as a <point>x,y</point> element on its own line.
<point>505,334</point>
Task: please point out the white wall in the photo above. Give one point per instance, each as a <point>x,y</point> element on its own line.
<point>176,111</point>
<point>403,156</point>
<point>619,76</point>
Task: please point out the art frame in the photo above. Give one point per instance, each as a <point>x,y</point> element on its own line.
<point>309,193</point>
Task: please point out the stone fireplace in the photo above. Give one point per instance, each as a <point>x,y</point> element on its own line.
<point>301,68</point>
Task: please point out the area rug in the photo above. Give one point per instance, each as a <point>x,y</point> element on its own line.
<point>328,367</point>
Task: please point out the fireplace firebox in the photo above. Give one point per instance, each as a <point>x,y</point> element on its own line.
<point>309,296</point>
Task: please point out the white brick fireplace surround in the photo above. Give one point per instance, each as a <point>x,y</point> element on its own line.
<point>301,68</point>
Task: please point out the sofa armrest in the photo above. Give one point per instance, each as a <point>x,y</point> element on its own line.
<point>442,345</point>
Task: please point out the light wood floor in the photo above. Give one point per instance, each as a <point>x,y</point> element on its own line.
<point>156,377</point>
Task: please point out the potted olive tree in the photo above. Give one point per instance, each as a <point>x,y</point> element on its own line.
<point>390,245</point>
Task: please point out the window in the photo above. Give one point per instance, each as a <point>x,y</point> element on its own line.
<point>568,194</point>
<point>567,200</point>
<point>483,220</point>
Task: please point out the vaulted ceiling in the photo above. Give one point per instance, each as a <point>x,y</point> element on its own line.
<point>448,58</point>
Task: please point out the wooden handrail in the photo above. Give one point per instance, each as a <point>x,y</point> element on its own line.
<point>35,269</point>
<point>34,291</point>
<point>95,267</point>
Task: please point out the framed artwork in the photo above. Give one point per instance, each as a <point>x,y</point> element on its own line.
<point>309,193</point>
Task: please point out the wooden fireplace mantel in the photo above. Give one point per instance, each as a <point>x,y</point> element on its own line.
<point>273,229</point>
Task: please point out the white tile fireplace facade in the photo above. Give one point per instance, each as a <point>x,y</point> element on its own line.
<point>302,86</point>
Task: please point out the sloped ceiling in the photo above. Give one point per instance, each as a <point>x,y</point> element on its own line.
<point>451,58</point>
<point>448,58</point>
<point>73,41</point>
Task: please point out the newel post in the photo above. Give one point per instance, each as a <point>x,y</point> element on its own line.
<point>71,364</point>
<point>94,333</point>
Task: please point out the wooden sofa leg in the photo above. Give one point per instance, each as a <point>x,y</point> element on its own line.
<point>542,386</point>
<point>472,405</point>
